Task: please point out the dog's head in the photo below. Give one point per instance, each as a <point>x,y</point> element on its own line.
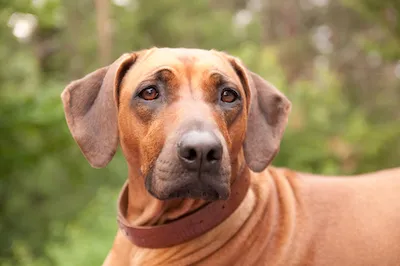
<point>184,118</point>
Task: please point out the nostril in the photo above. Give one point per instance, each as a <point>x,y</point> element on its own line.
<point>188,153</point>
<point>191,154</point>
<point>213,155</point>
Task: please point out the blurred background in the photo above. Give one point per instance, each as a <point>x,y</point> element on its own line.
<point>338,61</point>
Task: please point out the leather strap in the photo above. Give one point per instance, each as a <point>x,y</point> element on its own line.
<point>187,227</point>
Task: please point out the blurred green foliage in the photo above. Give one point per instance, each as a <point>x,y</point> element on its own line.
<point>336,62</point>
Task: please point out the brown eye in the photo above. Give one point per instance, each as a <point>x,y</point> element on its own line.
<point>229,96</point>
<point>149,94</point>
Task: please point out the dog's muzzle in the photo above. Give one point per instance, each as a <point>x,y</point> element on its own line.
<point>200,156</point>
<point>195,165</point>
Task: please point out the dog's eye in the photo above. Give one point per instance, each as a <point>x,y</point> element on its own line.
<point>150,93</point>
<point>229,96</point>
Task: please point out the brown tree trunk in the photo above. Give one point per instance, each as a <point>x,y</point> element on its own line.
<point>103,23</point>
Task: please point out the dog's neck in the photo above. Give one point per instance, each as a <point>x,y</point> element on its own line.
<point>145,210</point>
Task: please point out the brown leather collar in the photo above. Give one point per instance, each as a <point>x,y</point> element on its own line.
<point>186,228</point>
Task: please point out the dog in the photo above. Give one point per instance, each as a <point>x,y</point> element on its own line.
<point>199,131</point>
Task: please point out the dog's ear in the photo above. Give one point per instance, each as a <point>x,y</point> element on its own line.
<point>268,111</point>
<point>90,106</point>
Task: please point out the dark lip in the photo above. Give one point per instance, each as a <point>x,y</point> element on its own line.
<point>207,193</point>
<point>194,194</point>
<point>191,190</point>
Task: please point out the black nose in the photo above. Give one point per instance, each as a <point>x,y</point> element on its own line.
<point>200,150</point>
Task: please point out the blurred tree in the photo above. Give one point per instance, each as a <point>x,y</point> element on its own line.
<point>387,14</point>
<point>381,84</point>
<point>42,185</point>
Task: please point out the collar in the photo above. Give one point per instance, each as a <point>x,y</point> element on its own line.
<point>187,227</point>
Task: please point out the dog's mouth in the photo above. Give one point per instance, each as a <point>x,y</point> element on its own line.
<point>192,190</point>
<point>209,195</point>
<point>205,186</point>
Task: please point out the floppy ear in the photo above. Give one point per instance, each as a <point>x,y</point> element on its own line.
<point>90,106</point>
<point>268,112</point>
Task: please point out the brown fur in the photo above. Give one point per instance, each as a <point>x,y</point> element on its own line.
<point>287,218</point>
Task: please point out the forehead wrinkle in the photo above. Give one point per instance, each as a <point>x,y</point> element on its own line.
<point>154,72</point>
<point>224,77</point>
<point>155,59</point>
<point>188,63</point>
<point>138,74</point>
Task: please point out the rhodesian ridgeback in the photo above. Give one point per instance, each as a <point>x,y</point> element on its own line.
<point>199,131</point>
